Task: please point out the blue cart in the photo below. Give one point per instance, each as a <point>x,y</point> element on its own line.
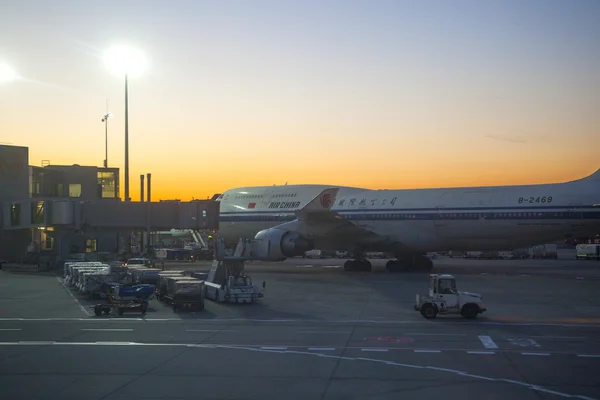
<point>125,297</point>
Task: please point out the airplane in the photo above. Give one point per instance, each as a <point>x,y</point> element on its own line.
<point>288,220</point>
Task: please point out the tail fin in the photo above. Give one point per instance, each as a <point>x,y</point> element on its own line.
<point>593,177</point>
<point>321,203</point>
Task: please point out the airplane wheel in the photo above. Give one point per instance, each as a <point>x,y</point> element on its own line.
<point>357,265</point>
<point>366,265</point>
<point>352,265</point>
<point>349,265</point>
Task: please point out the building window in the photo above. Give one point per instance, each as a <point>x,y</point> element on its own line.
<point>91,245</point>
<point>15,215</point>
<point>75,190</point>
<point>107,183</point>
<point>47,241</point>
<point>38,179</point>
<point>31,172</point>
<point>60,189</point>
<point>37,212</point>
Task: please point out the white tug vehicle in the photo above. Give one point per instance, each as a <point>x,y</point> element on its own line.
<point>444,298</point>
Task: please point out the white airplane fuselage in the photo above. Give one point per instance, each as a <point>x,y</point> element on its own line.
<point>422,220</point>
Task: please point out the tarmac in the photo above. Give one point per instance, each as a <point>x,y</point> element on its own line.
<point>319,333</point>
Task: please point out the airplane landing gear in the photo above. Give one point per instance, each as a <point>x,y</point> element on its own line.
<point>360,263</point>
<point>411,263</point>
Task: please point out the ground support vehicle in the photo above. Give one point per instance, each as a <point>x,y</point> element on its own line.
<point>227,281</point>
<point>587,252</point>
<point>544,251</point>
<point>443,298</point>
<point>125,297</point>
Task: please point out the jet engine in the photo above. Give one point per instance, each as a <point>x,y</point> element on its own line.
<point>275,244</point>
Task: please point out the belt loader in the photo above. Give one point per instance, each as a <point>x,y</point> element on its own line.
<point>227,281</point>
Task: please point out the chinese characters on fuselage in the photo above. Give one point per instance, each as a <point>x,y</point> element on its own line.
<point>363,202</point>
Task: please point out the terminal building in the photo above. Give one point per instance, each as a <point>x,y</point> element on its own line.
<point>58,211</point>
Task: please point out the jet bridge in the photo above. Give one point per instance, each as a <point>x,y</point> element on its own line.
<point>113,215</point>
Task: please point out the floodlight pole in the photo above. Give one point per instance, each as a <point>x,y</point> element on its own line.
<point>105,141</point>
<point>126,144</point>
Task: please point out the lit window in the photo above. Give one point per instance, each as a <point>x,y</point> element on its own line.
<point>75,190</point>
<point>107,184</point>
<point>91,245</point>
<point>37,212</point>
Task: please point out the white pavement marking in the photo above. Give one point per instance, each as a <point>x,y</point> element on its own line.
<point>108,330</point>
<point>75,343</point>
<point>487,342</point>
<point>481,352</point>
<point>273,348</point>
<point>116,343</point>
<point>321,348</point>
<point>526,385</point>
<point>427,351</point>
<point>35,343</point>
<point>211,330</point>
<point>10,329</point>
<point>524,342</point>
<point>81,307</point>
<point>589,355</point>
<point>535,354</point>
<point>325,332</point>
<point>381,350</point>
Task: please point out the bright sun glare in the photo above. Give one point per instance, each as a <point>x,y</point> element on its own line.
<point>7,74</point>
<point>121,60</point>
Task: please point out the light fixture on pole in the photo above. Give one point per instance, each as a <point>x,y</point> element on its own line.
<point>128,62</point>
<point>105,120</point>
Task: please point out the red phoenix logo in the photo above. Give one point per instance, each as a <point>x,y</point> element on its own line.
<point>326,200</point>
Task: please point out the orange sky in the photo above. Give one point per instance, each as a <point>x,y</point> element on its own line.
<point>240,96</point>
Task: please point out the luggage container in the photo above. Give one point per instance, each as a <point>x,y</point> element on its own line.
<point>185,293</point>
<point>161,282</point>
<point>144,275</point>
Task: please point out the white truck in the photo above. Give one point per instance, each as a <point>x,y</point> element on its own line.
<point>587,252</point>
<point>545,251</point>
<point>444,298</point>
